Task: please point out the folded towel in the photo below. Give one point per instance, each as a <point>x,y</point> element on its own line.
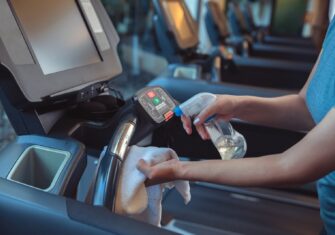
<point>133,198</point>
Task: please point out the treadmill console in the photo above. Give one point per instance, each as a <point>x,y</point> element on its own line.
<point>156,103</point>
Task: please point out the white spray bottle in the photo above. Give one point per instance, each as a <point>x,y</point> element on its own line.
<point>229,143</point>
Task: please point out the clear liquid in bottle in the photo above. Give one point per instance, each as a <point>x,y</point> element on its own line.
<point>229,143</point>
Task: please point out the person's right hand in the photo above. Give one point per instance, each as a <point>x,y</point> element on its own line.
<point>224,108</point>
<point>160,173</point>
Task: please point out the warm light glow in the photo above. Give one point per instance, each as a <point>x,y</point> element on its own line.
<point>177,16</point>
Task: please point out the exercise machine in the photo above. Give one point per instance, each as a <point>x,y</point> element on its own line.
<point>57,61</point>
<point>239,25</point>
<point>178,38</point>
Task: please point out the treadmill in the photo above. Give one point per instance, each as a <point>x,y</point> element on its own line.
<point>263,35</point>
<point>239,26</point>
<point>220,33</point>
<point>177,35</point>
<point>55,88</point>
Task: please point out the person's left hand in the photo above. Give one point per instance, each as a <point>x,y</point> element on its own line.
<point>161,173</point>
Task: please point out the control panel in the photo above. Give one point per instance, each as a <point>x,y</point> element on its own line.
<point>157,103</point>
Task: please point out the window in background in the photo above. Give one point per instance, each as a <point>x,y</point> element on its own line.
<point>138,48</point>
<point>176,14</point>
<point>289,17</point>
<point>132,18</point>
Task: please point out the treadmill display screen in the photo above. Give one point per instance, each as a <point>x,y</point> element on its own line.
<point>176,14</point>
<point>57,34</point>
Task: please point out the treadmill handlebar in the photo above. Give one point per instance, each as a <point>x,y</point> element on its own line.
<point>106,180</point>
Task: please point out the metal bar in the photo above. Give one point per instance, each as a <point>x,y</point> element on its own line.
<point>109,167</point>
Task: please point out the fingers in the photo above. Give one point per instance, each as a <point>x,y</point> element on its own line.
<point>201,119</point>
<point>160,173</point>
<point>187,124</point>
<point>144,167</point>
<point>202,132</point>
<point>152,177</point>
<point>162,155</point>
<point>205,114</point>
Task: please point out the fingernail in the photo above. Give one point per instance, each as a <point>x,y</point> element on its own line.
<point>196,121</point>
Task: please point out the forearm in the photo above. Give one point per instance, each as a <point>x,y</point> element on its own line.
<point>289,112</point>
<point>266,171</point>
<point>251,172</point>
<point>308,160</point>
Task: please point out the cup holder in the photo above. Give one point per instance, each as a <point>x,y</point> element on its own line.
<point>39,167</point>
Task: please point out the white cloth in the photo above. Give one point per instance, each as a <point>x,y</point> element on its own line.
<point>133,198</point>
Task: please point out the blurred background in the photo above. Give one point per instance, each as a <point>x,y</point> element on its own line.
<point>140,52</point>
<point>142,58</point>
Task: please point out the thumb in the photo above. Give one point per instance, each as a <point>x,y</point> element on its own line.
<point>205,114</point>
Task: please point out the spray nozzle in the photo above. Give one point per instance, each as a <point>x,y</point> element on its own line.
<point>177,111</point>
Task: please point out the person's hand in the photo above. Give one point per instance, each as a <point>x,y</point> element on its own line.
<point>224,107</point>
<point>161,173</point>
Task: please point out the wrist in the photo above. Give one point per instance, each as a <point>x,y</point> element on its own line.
<point>180,170</point>
<point>240,105</point>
